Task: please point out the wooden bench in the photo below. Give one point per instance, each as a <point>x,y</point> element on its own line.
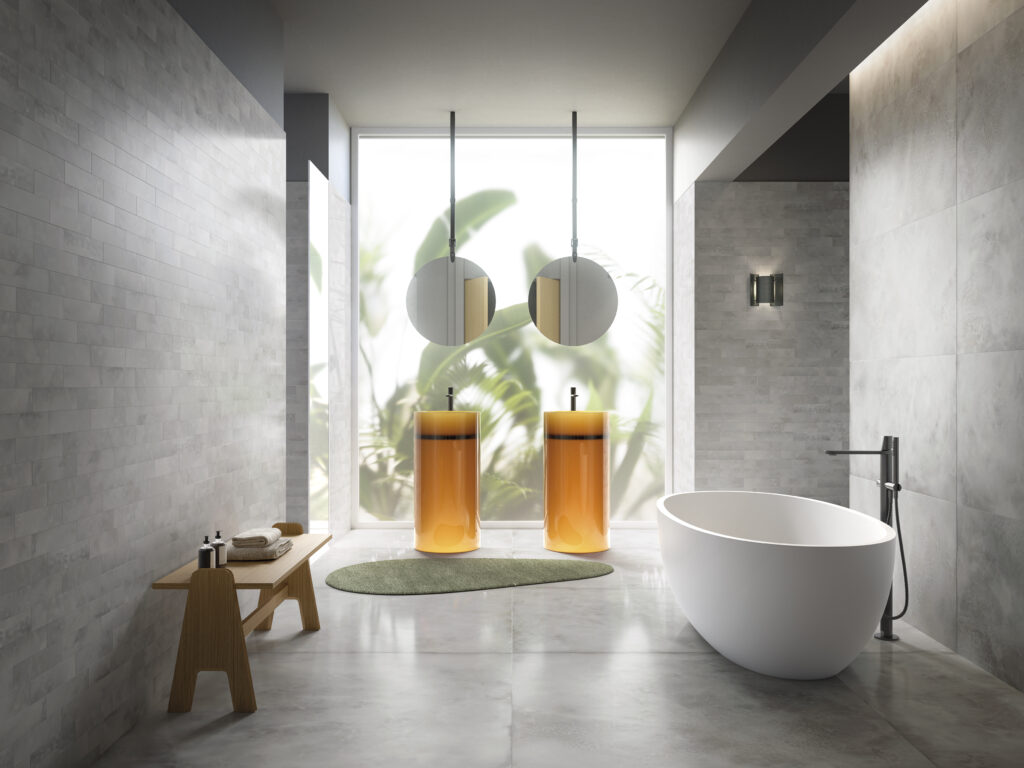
<point>213,631</point>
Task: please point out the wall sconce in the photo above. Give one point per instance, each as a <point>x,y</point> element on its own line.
<point>766,289</point>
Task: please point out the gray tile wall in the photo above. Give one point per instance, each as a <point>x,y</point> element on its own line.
<point>141,353</point>
<point>341,324</point>
<point>297,386</point>
<point>341,460</point>
<point>771,382</point>
<point>936,329</point>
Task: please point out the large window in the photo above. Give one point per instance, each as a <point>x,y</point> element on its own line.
<point>517,193</point>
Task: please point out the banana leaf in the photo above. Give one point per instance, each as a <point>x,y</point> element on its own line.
<point>471,213</point>
<point>437,359</point>
<point>634,450</point>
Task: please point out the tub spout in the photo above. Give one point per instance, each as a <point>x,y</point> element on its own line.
<point>853,453</point>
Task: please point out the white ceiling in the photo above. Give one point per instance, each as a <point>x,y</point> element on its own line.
<point>505,63</point>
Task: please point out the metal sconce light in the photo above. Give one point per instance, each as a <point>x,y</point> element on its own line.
<point>766,289</point>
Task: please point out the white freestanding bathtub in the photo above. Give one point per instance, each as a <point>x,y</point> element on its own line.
<point>782,585</point>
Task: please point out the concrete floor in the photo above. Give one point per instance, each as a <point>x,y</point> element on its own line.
<point>603,672</point>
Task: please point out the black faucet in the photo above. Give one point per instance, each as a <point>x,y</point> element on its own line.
<point>889,473</point>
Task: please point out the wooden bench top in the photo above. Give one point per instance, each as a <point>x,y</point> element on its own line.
<point>255,574</point>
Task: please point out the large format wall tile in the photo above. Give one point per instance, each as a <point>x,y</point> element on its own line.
<point>976,17</point>
<point>990,432</point>
<point>929,538</point>
<point>903,157</point>
<point>903,290</point>
<point>990,110</point>
<point>913,398</point>
<point>771,383</point>
<point>961,414</point>
<point>990,270</point>
<point>925,42</point>
<point>864,496</point>
<point>990,571</point>
<point>143,311</point>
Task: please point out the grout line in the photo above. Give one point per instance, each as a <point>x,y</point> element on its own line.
<point>512,654</point>
<point>899,732</point>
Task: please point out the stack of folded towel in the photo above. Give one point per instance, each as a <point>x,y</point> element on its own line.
<point>258,544</point>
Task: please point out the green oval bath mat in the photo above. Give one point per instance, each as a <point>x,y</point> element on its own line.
<point>428,576</point>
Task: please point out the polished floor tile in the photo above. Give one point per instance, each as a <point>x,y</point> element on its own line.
<point>951,710</point>
<point>461,622</point>
<point>324,709</point>
<point>689,710</point>
<point>625,620</point>
<point>599,672</point>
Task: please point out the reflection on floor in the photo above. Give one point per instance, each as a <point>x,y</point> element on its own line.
<point>604,672</point>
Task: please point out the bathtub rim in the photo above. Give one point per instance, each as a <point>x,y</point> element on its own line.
<point>890,532</point>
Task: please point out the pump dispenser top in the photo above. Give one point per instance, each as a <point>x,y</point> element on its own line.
<point>206,554</point>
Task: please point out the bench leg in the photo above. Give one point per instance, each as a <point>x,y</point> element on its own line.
<point>300,587</point>
<point>212,640</point>
<point>183,685</point>
<point>267,624</point>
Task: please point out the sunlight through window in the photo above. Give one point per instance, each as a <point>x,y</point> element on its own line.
<point>522,221</point>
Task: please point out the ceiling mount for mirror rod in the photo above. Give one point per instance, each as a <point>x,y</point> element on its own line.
<point>575,242</point>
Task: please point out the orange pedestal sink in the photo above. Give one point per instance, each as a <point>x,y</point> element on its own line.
<point>576,473</point>
<point>447,481</point>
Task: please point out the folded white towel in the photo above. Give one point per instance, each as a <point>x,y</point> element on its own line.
<point>256,537</point>
<point>271,552</point>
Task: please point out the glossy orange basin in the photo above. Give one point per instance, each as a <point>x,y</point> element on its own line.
<point>576,474</point>
<point>447,481</point>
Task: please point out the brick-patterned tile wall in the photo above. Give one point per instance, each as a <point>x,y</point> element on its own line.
<point>297,324</point>
<point>772,383</point>
<point>142,341</point>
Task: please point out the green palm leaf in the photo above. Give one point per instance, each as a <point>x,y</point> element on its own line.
<point>471,213</point>
<point>437,358</point>
<point>634,450</point>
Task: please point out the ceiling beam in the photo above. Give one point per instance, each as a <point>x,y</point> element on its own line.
<point>781,59</point>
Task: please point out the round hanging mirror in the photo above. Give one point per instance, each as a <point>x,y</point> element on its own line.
<point>450,302</point>
<point>573,302</point>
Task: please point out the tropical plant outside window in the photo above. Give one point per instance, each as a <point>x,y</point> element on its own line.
<point>513,216</point>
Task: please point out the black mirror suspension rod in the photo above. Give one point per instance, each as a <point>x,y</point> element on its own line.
<point>451,216</point>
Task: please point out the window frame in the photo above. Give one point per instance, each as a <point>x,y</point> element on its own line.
<point>360,132</point>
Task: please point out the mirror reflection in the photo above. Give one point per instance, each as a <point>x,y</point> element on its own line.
<point>450,302</point>
<point>573,302</point>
